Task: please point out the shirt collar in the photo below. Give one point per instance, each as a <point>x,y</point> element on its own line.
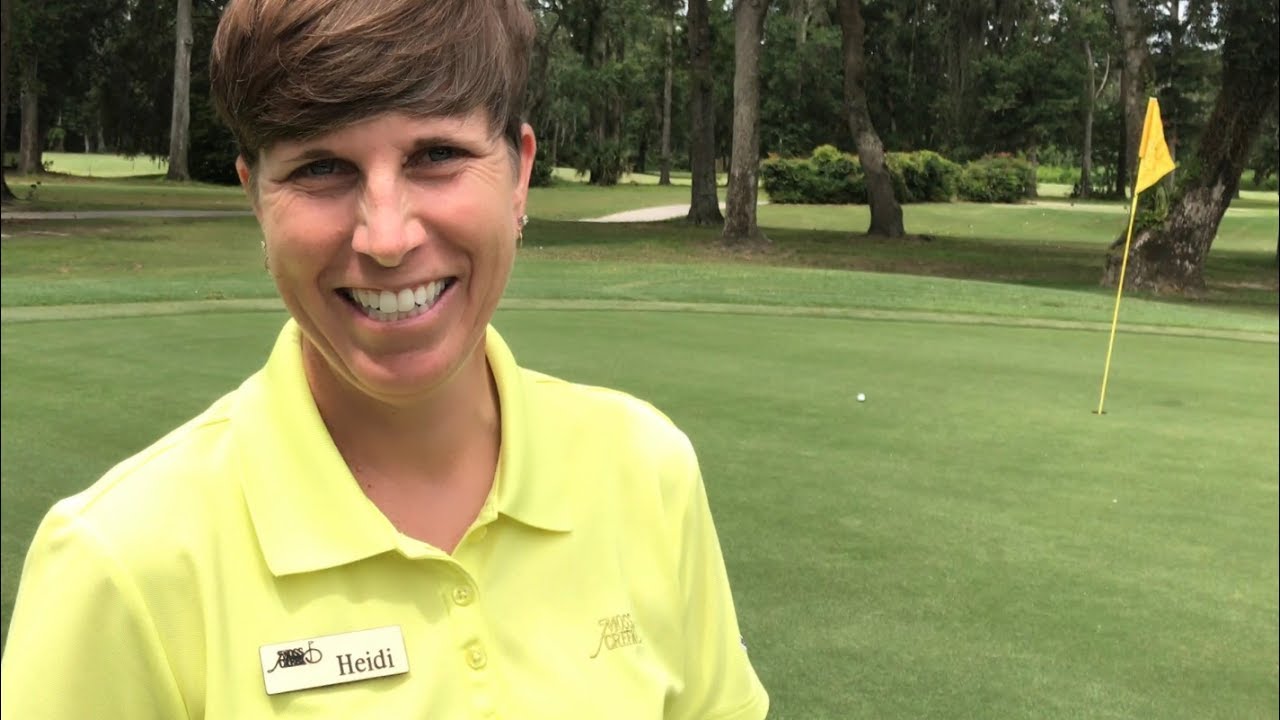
<point>529,487</point>
<point>307,509</point>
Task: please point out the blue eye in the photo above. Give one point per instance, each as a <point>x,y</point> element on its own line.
<point>440,154</point>
<point>320,168</point>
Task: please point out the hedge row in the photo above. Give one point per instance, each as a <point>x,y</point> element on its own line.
<point>831,177</point>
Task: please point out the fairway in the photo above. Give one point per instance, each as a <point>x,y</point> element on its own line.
<point>969,542</point>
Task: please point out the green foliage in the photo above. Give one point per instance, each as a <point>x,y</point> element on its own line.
<point>830,177</point>
<point>1153,207</point>
<point>827,177</point>
<point>1266,155</point>
<point>997,179</point>
<point>801,101</point>
<point>1251,180</point>
<point>923,176</point>
<point>543,171</point>
<point>212,153</point>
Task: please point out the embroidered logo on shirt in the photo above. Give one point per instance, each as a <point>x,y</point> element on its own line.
<point>615,632</point>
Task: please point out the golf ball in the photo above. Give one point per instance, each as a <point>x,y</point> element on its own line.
<point>862,397</point>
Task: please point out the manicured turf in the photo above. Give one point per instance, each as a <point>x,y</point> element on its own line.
<point>969,542</point>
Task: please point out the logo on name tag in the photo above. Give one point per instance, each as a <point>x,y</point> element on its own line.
<point>333,659</point>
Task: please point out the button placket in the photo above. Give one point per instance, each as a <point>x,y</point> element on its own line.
<point>477,659</point>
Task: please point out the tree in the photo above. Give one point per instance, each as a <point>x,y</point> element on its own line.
<point>740,223</point>
<point>5,193</point>
<point>668,76</point>
<point>1170,256</point>
<point>1092,89</point>
<point>704,206</point>
<point>1026,93</point>
<point>180,122</point>
<point>55,46</point>
<point>1133,54</point>
<point>31,142</point>
<point>886,213</point>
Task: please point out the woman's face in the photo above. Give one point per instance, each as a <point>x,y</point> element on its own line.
<point>391,241</point>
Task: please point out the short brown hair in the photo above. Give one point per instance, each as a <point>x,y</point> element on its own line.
<point>296,69</point>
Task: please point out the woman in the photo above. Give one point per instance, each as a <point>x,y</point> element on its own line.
<point>391,519</point>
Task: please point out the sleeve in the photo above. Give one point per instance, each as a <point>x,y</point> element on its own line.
<point>719,682</point>
<point>81,643</point>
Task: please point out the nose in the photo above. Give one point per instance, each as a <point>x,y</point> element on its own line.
<point>385,227</point>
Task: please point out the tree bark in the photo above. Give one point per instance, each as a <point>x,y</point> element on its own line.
<point>664,177</point>
<point>180,120</point>
<point>31,148</point>
<point>704,205</point>
<point>886,213</point>
<point>748,28</point>
<point>1134,53</point>
<point>1170,257</point>
<point>5,193</point>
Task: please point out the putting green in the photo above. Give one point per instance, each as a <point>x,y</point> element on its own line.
<point>971,541</point>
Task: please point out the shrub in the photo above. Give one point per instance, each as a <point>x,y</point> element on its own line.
<point>923,176</point>
<point>832,177</point>
<point>786,180</point>
<point>542,171</point>
<point>832,171</point>
<point>998,179</point>
<point>827,177</point>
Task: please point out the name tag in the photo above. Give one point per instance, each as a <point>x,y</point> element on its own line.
<point>333,659</point>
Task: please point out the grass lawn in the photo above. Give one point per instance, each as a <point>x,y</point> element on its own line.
<point>54,192</point>
<point>106,166</point>
<point>971,541</point>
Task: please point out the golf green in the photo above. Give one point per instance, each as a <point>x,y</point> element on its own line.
<point>971,541</point>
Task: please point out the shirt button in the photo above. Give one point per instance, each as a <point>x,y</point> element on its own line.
<point>462,596</point>
<point>476,658</point>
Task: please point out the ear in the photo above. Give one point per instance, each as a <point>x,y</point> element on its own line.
<point>528,149</point>
<point>246,181</point>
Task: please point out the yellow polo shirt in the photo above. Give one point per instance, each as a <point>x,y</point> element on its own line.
<point>238,555</point>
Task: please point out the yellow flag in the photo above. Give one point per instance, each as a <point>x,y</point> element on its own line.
<point>1154,161</point>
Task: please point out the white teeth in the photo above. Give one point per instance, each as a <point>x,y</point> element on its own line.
<point>405,298</point>
<point>388,306</point>
<point>387,301</point>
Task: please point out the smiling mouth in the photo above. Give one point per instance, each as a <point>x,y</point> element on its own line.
<point>394,305</point>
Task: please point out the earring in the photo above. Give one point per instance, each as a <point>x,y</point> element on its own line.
<point>524,220</point>
<point>266,259</point>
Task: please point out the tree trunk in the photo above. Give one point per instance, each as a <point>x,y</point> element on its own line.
<point>664,177</point>
<point>180,122</point>
<point>1084,190</point>
<point>886,213</point>
<point>740,218</point>
<point>5,193</point>
<point>704,205</point>
<point>1134,54</point>
<point>1033,181</point>
<point>1170,257</point>
<point>31,148</point>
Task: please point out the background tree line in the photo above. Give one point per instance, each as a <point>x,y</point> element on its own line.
<point>650,85</point>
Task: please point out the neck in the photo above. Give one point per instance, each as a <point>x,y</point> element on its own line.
<point>431,440</point>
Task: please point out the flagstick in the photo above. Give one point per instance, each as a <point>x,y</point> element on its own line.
<point>1115,316</point>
